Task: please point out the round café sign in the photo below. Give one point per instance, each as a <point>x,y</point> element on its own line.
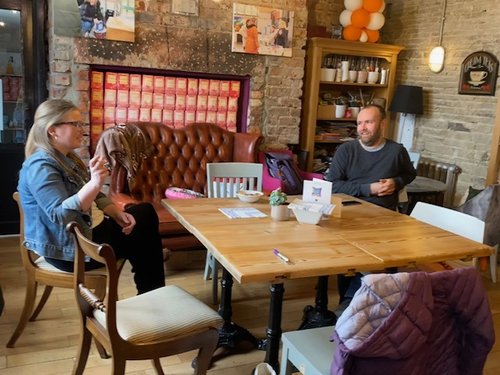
<point>478,75</point>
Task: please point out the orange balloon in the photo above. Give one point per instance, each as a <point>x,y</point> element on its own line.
<point>351,32</point>
<point>360,18</point>
<point>373,5</point>
<point>373,35</point>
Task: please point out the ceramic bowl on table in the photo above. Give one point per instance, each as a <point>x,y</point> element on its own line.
<point>307,217</point>
<point>249,196</point>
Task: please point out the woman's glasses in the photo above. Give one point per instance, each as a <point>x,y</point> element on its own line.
<point>76,124</point>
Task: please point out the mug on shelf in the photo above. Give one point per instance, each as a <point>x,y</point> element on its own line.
<point>372,77</point>
<point>354,111</point>
<point>362,76</point>
<point>340,110</point>
<point>353,75</point>
<point>328,74</point>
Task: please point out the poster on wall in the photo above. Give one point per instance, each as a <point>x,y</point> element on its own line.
<point>99,19</point>
<point>261,30</point>
<point>478,75</point>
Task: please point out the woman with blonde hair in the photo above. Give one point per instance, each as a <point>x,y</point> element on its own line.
<point>56,187</point>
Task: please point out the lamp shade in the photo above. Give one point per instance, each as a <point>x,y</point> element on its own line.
<point>408,99</point>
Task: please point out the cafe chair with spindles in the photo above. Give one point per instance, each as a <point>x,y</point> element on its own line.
<point>159,323</point>
<point>224,180</point>
<point>455,222</point>
<point>39,271</point>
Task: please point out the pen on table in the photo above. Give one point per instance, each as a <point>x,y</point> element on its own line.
<point>281,256</point>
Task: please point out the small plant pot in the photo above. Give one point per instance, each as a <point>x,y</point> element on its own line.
<point>280,213</point>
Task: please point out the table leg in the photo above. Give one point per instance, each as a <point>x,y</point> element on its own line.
<point>273,331</point>
<point>230,333</point>
<point>319,315</point>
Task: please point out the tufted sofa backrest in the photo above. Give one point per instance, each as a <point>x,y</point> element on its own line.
<point>178,158</point>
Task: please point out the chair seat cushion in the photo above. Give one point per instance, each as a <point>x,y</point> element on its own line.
<point>46,266</point>
<point>163,313</point>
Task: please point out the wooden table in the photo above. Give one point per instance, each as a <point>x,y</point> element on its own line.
<point>365,238</point>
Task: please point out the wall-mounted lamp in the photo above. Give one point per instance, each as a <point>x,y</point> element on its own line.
<point>436,57</point>
<point>408,101</point>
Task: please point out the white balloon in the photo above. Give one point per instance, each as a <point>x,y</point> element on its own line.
<point>364,37</point>
<point>377,20</point>
<point>353,4</point>
<point>381,10</point>
<point>345,17</point>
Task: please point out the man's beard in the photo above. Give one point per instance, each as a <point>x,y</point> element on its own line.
<point>372,139</point>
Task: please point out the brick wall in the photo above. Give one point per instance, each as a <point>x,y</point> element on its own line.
<point>193,44</point>
<point>454,128</point>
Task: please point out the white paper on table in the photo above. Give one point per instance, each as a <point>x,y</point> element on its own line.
<point>241,212</point>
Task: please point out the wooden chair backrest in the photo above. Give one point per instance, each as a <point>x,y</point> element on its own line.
<point>87,299</point>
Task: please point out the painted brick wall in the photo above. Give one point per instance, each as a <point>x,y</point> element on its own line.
<point>454,128</point>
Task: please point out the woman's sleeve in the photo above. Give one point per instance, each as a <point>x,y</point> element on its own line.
<point>50,192</point>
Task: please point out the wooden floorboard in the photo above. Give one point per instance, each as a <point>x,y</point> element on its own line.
<point>48,346</point>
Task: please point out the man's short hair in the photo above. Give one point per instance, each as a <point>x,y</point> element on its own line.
<point>381,110</point>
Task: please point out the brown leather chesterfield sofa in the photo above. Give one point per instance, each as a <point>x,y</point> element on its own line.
<point>147,158</point>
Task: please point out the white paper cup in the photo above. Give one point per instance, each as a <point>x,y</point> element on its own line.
<point>353,75</point>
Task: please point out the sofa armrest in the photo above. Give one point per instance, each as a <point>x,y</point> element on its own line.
<point>122,201</point>
<point>245,147</point>
<point>310,175</point>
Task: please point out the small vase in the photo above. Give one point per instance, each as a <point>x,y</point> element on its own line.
<point>280,213</point>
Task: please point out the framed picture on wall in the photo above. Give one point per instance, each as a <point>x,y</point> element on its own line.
<point>98,19</point>
<point>478,75</point>
<point>261,30</point>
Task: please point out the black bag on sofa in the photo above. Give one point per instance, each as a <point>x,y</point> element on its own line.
<point>282,166</point>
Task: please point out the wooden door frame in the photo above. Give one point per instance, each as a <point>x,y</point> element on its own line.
<point>493,175</point>
<point>34,35</point>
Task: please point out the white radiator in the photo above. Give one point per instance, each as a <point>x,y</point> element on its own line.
<point>444,172</point>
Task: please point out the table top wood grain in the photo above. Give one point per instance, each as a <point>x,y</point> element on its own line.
<point>365,238</point>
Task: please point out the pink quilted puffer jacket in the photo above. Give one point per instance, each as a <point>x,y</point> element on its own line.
<point>415,323</point>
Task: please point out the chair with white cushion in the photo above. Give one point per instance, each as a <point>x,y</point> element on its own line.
<point>39,271</point>
<point>224,180</point>
<point>455,222</point>
<point>159,323</point>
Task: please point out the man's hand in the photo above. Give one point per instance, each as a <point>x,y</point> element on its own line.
<point>385,186</point>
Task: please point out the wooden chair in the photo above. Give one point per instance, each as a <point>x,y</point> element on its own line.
<point>40,271</point>
<point>453,221</point>
<point>224,180</point>
<point>159,323</point>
